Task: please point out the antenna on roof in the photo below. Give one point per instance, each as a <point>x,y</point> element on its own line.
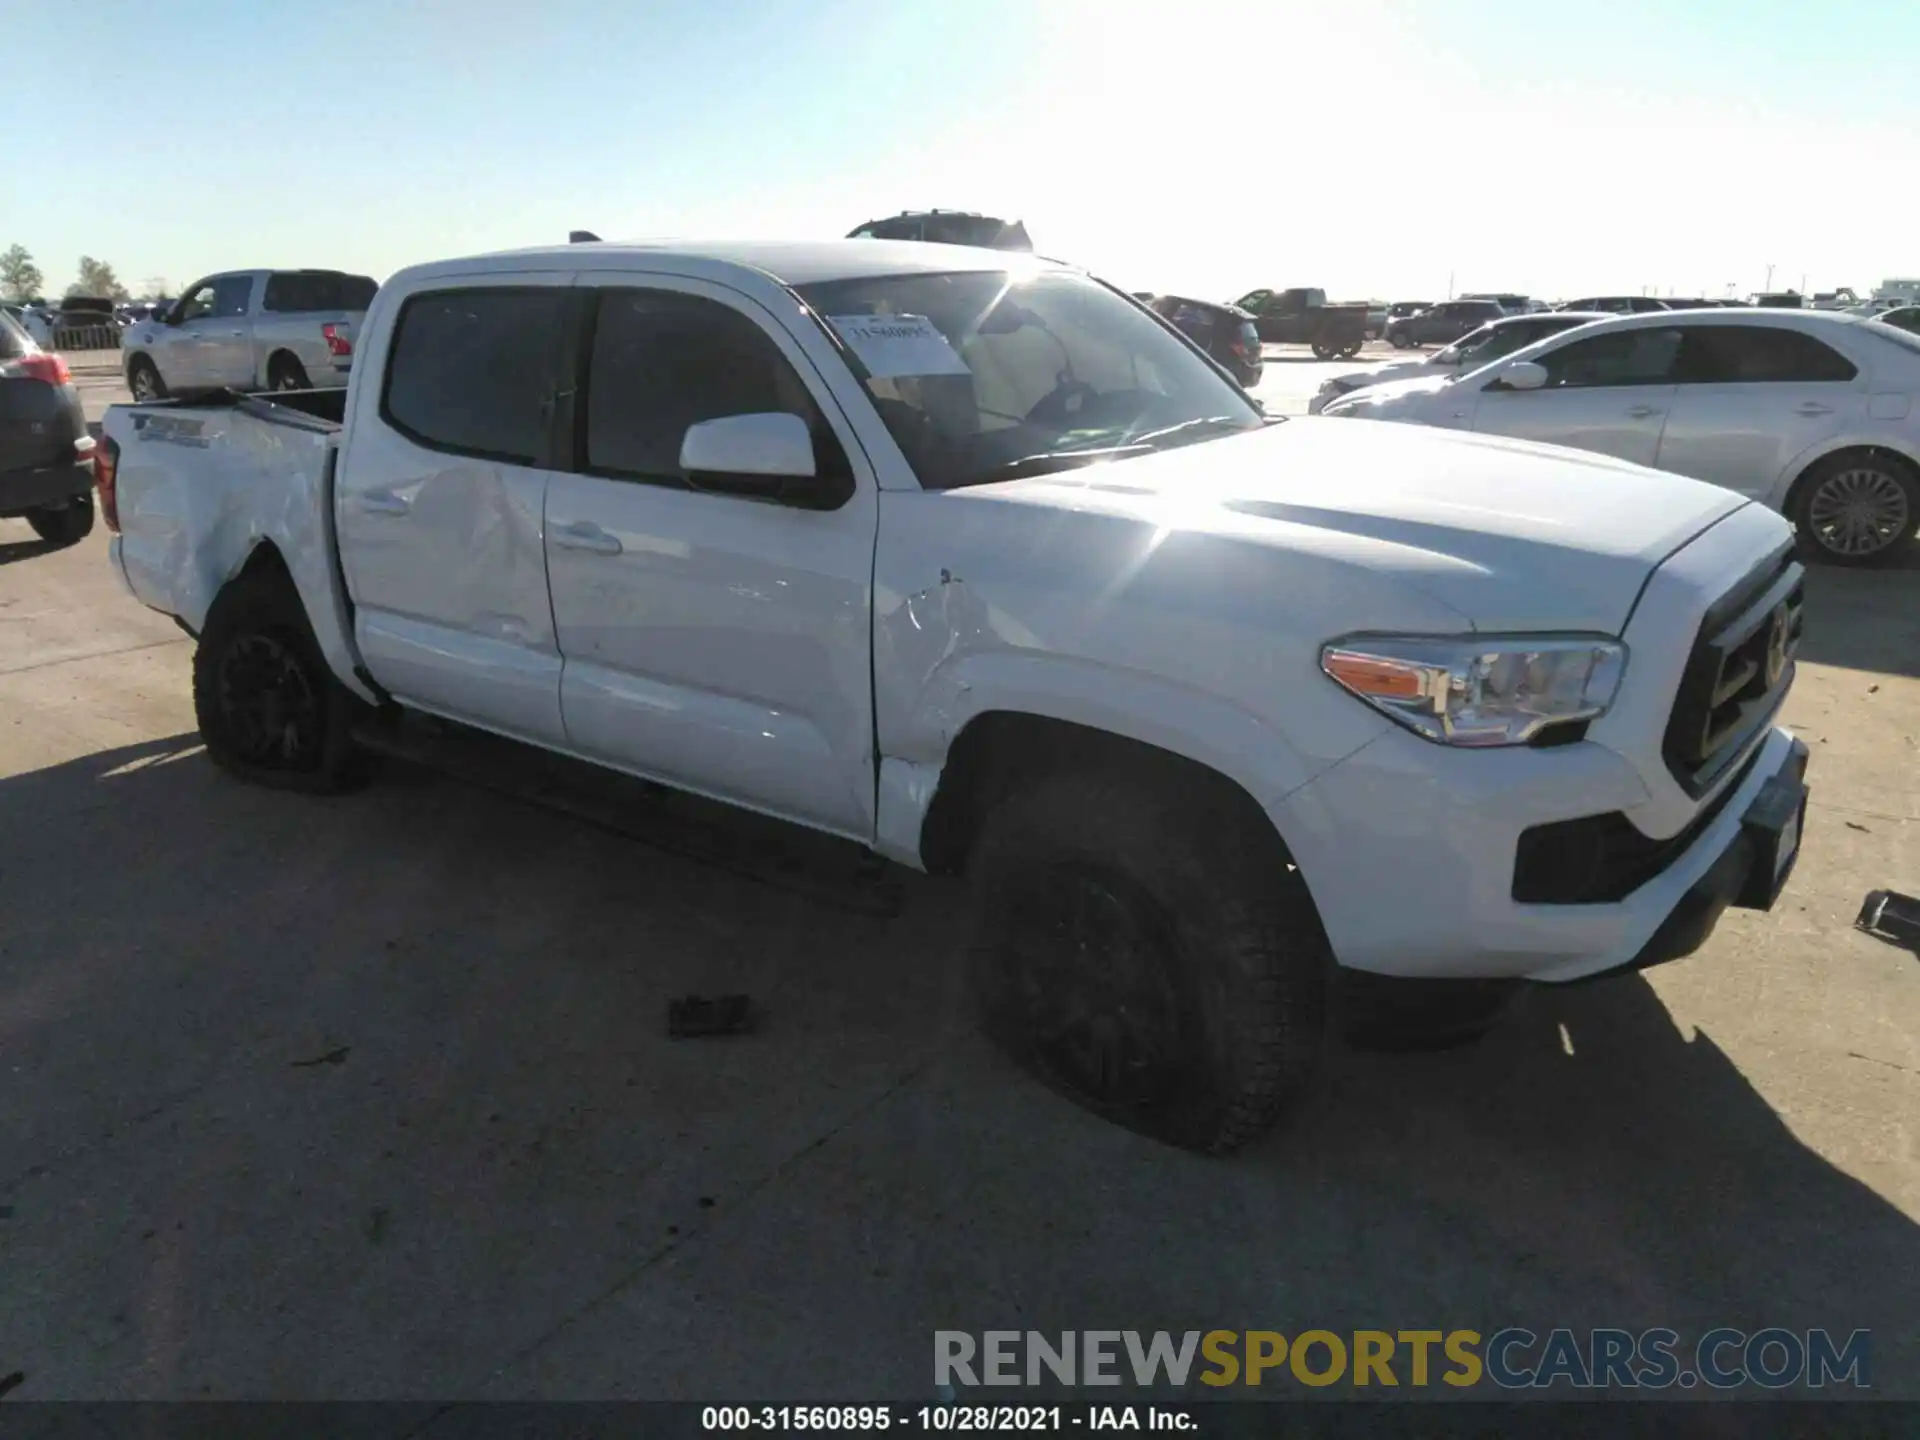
<point>581,237</point>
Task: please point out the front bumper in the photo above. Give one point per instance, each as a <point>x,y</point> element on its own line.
<point>1409,848</point>
<point>24,490</point>
<point>1749,873</point>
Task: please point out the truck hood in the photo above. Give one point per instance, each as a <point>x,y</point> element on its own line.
<point>1509,534</point>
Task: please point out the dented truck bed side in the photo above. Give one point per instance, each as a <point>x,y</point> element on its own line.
<point>202,486</point>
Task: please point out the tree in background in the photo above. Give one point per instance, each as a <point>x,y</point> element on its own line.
<point>155,287</point>
<point>97,279</point>
<point>20,278</point>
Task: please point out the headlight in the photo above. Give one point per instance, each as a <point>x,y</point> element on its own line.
<point>1479,689</point>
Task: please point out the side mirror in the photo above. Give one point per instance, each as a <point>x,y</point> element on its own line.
<point>1522,375</point>
<point>768,456</point>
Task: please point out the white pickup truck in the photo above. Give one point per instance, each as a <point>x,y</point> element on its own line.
<point>974,561</point>
<point>249,330</point>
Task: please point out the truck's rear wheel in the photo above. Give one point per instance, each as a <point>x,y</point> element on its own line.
<point>144,382</point>
<point>1323,350</point>
<point>269,709</point>
<point>286,373</point>
<point>67,523</point>
<point>1162,968</point>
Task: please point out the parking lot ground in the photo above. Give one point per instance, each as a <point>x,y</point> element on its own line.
<point>370,1097</point>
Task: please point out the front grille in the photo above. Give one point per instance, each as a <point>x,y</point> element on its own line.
<point>1738,673</point>
<point>1598,859</point>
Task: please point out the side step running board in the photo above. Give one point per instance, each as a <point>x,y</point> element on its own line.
<point>788,857</point>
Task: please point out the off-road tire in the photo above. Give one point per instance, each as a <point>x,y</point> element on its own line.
<point>156,387</point>
<point>1235,942</point>
<point>284,372</point>
<point>257,622</point>
<point>67,523</point>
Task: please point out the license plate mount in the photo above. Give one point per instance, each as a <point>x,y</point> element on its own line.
<point>1772,826</point>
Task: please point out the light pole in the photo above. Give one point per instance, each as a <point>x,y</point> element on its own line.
<point>1769,279</point>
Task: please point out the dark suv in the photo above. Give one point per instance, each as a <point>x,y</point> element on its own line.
<point>46,454</point>
<point>947,227</point>
<point>1442,324</point>
<point>1225,332</point>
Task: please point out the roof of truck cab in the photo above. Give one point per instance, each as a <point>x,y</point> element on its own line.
<point>798,262</point>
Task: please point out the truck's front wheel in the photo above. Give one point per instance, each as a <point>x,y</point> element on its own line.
<point>143,380</point>
<point>269,709</point>
<point>1164,969</point>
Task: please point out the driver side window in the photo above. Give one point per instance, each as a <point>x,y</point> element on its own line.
<point>1626,357</point>
<point>198,302</point>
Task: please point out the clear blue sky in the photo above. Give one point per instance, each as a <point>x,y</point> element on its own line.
<point>1375,147</point>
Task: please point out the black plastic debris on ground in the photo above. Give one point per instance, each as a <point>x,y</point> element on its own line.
<point>693,1017</point>
<point>1888,915</point>
<point>332,1057</point>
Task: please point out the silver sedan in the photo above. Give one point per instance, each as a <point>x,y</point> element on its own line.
<point>1814,413</point>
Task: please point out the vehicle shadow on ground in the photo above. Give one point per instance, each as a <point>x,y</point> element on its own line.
<point>369,1097</point>
<point>1314,360</point>
<point>1865,618</point>
<point>12,550</point>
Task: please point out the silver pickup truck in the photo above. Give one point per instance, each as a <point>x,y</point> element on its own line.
<point>250,330</point>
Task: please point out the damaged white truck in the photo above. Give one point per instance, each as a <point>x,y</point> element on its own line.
<point>972,560</point>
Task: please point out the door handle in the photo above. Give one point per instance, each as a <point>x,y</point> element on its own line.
<point>1813,407</point>
<point>382,502</point>
<point>1641,412</point>
<point>587,536</point>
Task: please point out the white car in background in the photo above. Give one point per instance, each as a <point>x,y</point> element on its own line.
<point>1809,411</point>
<point>29,319</point>
<point>1491,341</point>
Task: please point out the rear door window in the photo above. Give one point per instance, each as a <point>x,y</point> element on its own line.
<point>1758,355</point>
<point>471,371</point>
<point>295,292</point>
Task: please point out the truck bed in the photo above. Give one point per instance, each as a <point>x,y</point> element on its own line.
<point>201,483</point>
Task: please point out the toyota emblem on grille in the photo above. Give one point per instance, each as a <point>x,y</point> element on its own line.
<point>1777,633</point>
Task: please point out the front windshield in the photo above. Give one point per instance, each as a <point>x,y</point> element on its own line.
<point>988,375</point>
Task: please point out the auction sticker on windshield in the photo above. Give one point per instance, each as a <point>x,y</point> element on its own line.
<point>893,346</point>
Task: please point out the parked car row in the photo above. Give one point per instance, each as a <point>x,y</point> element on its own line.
<point>1814,413</point>
<point>78,322</point>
